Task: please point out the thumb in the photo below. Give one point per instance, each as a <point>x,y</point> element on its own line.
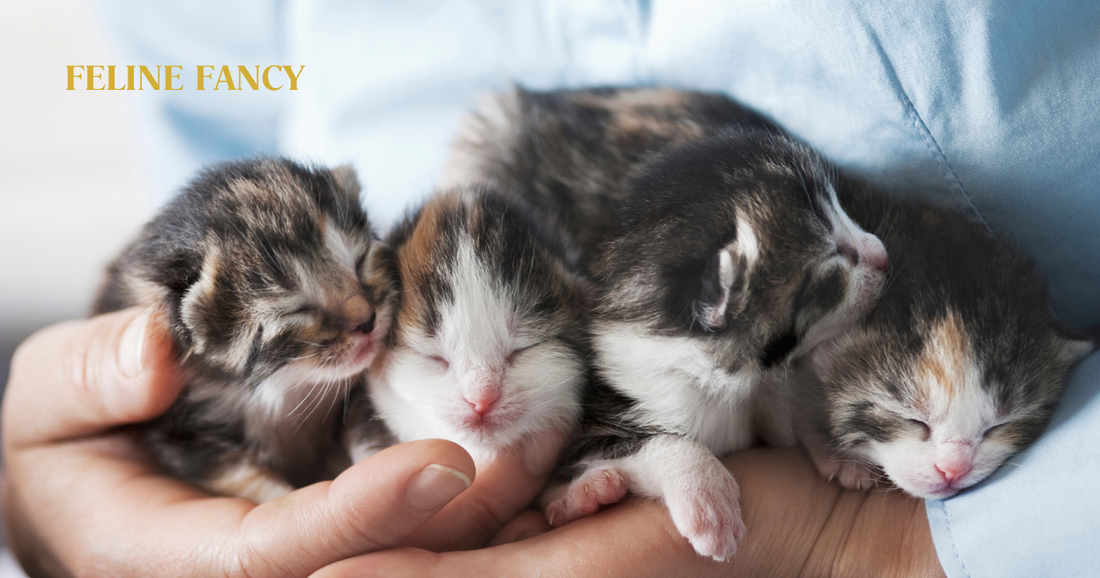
<point>83,377</point>
<point>371,506</point>
<point>504,487</point>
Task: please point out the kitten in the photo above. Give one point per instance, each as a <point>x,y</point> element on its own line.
<point>733,258</point>
<point>277,298</point>
<point>488,345</point>
<point>569,154</point>
<point>958,367</point>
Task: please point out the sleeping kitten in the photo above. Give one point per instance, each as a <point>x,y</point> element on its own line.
<point>488,343</point>
<point>958,367</point>
<point>569,154</point>
<point>725,254</point>
<point>268,273</point>
<point>733,258</point>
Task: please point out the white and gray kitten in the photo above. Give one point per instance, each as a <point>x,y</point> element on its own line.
<point>488,345</point>
<point>958,367</point>
<point>733,259</point>
<point>268,273</point>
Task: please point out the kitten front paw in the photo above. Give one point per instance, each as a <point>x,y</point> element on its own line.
<point>851,475</point>
<point>594,488</point>
<point>709,515</point>
<point>856,476</point>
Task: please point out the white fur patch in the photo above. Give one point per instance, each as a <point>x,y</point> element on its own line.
<point>419,397</point>
<point>747,243</point>
<point>714,316</point>
<point>700,493</point>
<point>678,386</point>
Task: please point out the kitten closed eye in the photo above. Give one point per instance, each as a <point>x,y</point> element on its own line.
<point>488,347</point>
<point>273,320</point>
<point>963,337</point>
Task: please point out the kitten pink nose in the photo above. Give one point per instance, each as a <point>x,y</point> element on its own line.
<point>952,471</point>
<point>481,404</point>
<point>873,252</point>
<point>481,388</point>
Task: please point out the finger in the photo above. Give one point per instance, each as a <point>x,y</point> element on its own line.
<point>373,505</point>
<point>504,487</point>
<point>785,507</point>
<point>620,541</point>
<point>96,374</point>
<point>86,490</point>
<point>527,524</point>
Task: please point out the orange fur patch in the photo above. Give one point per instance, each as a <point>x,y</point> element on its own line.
<point>944,358</point>
<point>415,260</point>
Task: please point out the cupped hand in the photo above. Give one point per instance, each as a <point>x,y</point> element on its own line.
<point>797,525</point>
<point>82,498</point>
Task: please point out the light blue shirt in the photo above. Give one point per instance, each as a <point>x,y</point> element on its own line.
<point>989,107</point>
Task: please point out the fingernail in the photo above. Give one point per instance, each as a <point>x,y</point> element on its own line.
<point>131,348</point>
<point>435,486</point>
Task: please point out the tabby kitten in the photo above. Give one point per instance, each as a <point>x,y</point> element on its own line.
<point>277,297</point>
<point>958,367</point>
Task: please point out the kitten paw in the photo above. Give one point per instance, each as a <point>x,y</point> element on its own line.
<point>710,516</point>
<point>849,474</point>
<point>250,482</point>
<point>856,476</point>
<point>594,488</point>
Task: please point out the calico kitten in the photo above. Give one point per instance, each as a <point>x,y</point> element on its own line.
<point>488,344</point>
<point>958,367</point>
<point>277,297</point>
<point>569,154</point>
<point>734,257</point>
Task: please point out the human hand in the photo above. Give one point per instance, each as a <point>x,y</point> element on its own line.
<point>797,525</point>
<point>82,497</point>
<point>503,488</point>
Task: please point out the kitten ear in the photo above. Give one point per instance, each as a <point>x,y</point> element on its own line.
<point>1074,350</point>
<point>346,180</point>
<point>713,300</point>
<point>198,305</point>
<point>209,314</point>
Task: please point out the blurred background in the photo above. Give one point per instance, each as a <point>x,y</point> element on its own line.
<point>72,192</point>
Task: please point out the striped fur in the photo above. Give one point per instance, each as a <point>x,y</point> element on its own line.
<point>278,296</point>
